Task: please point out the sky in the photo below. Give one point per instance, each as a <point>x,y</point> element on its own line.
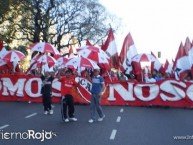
<point>155,25</point>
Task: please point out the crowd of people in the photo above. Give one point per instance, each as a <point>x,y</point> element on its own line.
<point>111,76</point>
<point>97,77</point>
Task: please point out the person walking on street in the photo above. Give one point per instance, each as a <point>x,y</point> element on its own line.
<point>98,87</point>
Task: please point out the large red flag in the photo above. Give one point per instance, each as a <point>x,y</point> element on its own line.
<point>127,52</point>
<point>111,49</point>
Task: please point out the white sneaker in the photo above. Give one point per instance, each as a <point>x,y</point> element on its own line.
<point>46,112</point>
<point>73,119</point>
<point>90,120</point>
<point>66,120</point>
<point>101,118</point>
<point>51,112</point>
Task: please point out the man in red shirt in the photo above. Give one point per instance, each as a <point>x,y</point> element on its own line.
<point>67,82</point>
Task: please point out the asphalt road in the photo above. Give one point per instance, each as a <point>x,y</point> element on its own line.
<point>122,125</point>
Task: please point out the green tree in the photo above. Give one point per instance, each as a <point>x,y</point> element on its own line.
<point>57,21</point>
<point>23,49</point>
<point>9,19</point>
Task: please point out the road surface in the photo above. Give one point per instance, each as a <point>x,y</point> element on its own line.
<point>123,125</point>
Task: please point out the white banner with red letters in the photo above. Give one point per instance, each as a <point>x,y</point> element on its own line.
<point>168,92</point>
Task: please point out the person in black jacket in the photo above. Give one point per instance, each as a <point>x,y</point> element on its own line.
<point>46,91</point>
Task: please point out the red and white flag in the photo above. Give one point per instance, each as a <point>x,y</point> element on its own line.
<point>70,53</point>
<point>88,43</point>
<point>190,57</point>
<point>181,63</point>
<point>187,45</point>
<point>33,64</point>
<point>168,66</point>
<point>127,52</point>
<point>111,49</point>
<point>156,65</point>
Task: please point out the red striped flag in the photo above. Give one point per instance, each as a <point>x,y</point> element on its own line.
<point>181,63</point>
<point>127,52</point>
<point>111,49</point>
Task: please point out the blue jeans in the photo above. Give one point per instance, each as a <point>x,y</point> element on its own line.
<point>95,106</point>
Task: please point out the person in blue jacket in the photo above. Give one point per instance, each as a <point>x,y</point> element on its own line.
<point>97,89</point>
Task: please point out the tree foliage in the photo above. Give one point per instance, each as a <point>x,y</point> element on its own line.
<point>9,14</point>
<point>22,49</point>
<point>60,22</point>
